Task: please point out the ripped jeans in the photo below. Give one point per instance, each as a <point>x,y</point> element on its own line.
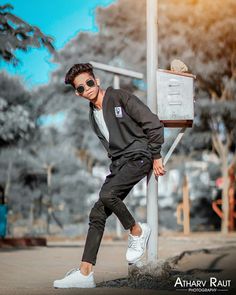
<point>125,173</point>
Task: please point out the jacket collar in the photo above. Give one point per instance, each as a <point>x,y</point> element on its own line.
<point>92,120</point>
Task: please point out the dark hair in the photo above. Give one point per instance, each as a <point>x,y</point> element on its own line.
<point>76,70</point>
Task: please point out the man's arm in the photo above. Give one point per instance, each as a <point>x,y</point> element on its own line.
<point>150,124</point>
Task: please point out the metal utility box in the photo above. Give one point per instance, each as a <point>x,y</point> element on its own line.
<point>175,98</point>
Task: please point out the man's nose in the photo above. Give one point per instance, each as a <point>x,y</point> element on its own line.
<point>86,87</point>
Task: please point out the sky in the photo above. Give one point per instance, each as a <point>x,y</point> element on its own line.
<point>57,18</point>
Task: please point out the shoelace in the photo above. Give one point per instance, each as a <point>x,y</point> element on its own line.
<point>134,243</point>
<point>71,271</point>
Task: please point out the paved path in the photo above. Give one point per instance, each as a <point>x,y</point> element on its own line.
<point>32,270</point>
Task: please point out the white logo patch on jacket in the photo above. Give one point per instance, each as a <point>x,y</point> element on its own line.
<point>118,112</point>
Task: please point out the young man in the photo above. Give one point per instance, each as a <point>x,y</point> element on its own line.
<point>132,136</point>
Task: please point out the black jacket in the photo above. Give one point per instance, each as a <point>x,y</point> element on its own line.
<point>132,126</point>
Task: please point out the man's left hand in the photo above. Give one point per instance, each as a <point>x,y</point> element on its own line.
<point>158,167</point>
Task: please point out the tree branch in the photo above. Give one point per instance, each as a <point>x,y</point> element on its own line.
<point>229,139</point>
<point>217,145</point>
<point>232,61</point>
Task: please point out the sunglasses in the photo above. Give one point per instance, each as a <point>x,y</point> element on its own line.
<point>90,83</point>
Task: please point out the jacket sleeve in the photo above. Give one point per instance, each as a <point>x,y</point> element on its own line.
<point>147,120</point>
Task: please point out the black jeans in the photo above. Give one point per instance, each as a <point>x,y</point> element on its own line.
<point>125,173</point>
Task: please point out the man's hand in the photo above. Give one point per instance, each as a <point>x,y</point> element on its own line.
<point>158,167</point>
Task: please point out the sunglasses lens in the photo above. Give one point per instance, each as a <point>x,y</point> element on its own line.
<point>80,89</point>
<point>90,83</point>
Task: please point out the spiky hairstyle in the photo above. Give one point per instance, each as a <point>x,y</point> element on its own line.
<point>77,69</point>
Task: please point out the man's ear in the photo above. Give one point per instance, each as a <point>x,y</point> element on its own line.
<point>76,93</point>
<point>97,81</point>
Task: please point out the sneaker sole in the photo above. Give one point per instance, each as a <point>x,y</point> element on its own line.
<point>80,286</point>
<point>145,243</point>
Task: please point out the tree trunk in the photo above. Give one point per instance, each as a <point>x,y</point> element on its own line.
<point>223,152</point>
<point>8,182</point>
<point>225,198</point>
<point>31,216</point>
<point>49,206</point>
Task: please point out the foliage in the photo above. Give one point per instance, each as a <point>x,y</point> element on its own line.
<point>16,121</point>
<point>197,32</point>
<point>15,34</point>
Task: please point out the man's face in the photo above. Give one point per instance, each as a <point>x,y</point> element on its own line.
<point>90,87</point>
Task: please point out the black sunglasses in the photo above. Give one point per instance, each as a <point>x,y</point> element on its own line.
<point>90,83</point>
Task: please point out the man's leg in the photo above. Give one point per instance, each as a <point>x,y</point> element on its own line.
<point>124,175</point>
<point>83,277</point>
<point>97,221</point>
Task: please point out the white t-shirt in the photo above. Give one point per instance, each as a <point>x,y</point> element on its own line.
<point>98,116</point>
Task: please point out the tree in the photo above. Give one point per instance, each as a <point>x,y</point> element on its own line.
<point>205,41</point>
<point>66,179</point>
<point>215,128</point>
<point>16,120</point>
<point>16,117</point>
<point>17,34</point>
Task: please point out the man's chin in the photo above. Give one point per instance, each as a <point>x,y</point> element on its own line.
<point>92,98</point>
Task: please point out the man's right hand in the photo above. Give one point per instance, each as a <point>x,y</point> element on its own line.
<point>158,167</point>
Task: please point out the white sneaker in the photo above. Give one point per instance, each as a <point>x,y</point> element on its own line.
<point>137,244</point>
<point>75,279</point>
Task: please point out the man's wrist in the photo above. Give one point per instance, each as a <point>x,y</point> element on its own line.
<point>156,156</point>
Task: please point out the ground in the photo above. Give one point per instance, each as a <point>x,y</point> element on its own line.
<point>32,270</point>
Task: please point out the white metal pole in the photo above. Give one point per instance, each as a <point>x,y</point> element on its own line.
<point>117,70</point>
<point>116,85</point>
<point>152,66</point>
<point>174,145</point>
<point>116,81</point>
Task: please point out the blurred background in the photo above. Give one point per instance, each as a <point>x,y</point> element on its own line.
<point>52,165</point>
